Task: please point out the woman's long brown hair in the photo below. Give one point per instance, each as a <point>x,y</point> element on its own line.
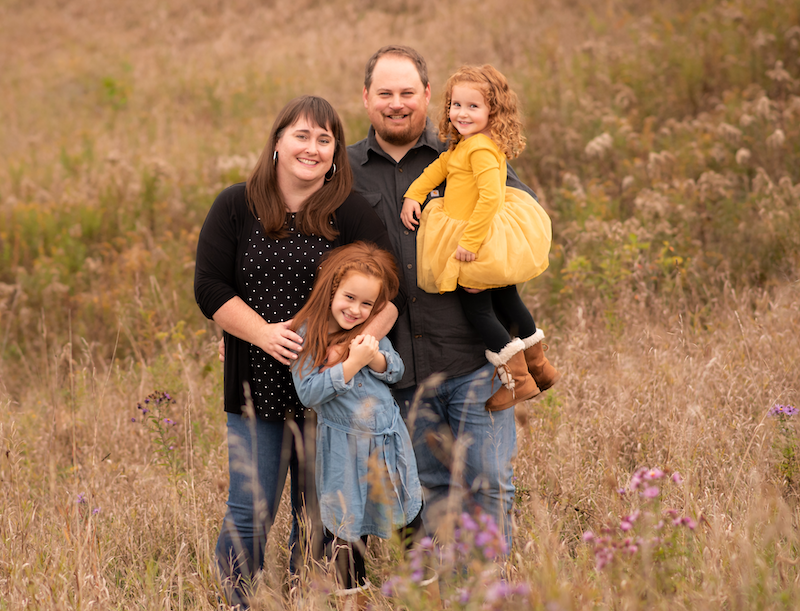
<point>358,257</point>
<point>263,195</point>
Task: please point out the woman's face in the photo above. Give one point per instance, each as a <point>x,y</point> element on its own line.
<point>305,154</point>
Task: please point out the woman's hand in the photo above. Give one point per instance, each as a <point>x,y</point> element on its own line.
<point>280,342</point>
<point>462,254</point>
<point>242,321</point>
<point>410,213</point>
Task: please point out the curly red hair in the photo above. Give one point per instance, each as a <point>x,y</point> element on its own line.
<point>359,257</point>
<point>504,115</point>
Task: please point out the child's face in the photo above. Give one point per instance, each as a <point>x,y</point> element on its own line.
<point>353,301</point>
<point>469,112</point>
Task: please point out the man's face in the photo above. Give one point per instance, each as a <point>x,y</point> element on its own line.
<point>397,101</point>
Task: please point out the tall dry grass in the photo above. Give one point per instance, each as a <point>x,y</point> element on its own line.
<point>663,138</point>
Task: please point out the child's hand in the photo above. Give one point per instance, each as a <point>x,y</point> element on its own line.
<point>363,349</point>
<point>411,212</point>
<point>462,254</point>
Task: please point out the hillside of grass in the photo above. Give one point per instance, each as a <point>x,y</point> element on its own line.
<point>663,139</point>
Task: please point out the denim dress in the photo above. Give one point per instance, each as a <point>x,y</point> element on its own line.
<point>367,479</point>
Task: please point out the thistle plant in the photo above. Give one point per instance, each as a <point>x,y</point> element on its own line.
<point>649,541</point>
<point>468,570</point>
<point>785,443</point>
<point>157,420</point>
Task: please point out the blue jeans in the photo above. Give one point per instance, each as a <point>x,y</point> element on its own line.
<point>454,410</point>
<point>259,455</point>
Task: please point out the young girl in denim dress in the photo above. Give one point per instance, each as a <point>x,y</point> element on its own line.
<point>366,473</point>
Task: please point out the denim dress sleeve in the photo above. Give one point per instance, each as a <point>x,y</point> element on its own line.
<point>315,387</point>
<point>394,364</point>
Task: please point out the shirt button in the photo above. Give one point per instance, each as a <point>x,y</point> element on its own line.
<point>409,266</point>
<point>418,336</point>
<point>359,384</point>
<point>413,300</point>
<point>406,232</point>
<point>400,170</point>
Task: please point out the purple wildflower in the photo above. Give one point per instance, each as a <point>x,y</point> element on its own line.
<point>81,498</point>
<point>653,474</point>
<point>689,522</point>
<point>625,526</point>
<point>588,536</point>
<point>95,511</point>
<point>677,478</point>
<point>782,410</point>
<point>650,492</point>
<point>497,591</point>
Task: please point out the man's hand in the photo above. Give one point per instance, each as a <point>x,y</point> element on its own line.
<point>411,212</point>
<point>462,254</point>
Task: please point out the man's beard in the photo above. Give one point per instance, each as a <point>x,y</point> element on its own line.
<point>405,136</point>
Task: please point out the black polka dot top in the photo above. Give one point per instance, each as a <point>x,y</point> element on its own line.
<point>278,275</point>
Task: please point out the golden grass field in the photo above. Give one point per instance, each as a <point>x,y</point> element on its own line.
<point>664,140</point>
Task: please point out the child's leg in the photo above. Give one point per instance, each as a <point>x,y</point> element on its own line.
<point>510,309</point>
<point>412,532</point>
<point>479,311</point>
<point>509,306</point>
<point>349,560</point>
<point>503,352</point>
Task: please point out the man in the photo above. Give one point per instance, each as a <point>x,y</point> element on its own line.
<point>463,451</point>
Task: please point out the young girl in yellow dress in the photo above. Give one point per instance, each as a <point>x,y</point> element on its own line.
<point>482,238</point>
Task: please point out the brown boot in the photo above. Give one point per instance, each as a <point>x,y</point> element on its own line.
<point>518,385</point>
<point>540,368</point>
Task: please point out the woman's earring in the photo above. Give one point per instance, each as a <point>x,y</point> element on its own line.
<point>332,171</point>
<point>275,158</point>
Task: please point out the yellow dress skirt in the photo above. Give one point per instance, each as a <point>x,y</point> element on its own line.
<point>515,249</point>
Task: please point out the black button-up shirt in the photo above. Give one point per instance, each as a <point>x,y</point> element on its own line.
<point>432,335</point>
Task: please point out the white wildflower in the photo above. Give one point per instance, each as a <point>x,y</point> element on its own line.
<point>628,182</point>
<point>777,139</point>
<point>598,146</point>
<point>763,108</point>
<point>743,156</point>
<point>779,75</point>
<point>729,132</point>
<point>573,183</point>
<point>746,120</point>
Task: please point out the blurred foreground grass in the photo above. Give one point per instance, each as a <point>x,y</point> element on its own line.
<point>663,137</point>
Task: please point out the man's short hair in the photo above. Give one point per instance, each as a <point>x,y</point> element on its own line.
<point>400,51</point>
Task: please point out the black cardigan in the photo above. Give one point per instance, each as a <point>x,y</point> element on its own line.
<point>218,276</point>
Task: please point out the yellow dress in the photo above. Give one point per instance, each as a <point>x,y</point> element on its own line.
<point>507,229</point>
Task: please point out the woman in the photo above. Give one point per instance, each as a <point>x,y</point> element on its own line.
<point>256,257</point>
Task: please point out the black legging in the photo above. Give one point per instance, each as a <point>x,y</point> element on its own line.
<point>486,310</point>
<point>349,557</point>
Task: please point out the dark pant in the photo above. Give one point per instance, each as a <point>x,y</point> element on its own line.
<point>259,455</point>
<point>349,555</point>
<point>486,310</point>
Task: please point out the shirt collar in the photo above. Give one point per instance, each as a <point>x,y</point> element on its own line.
<point>429,138</point>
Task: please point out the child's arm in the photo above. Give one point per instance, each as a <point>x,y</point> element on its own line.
<point>363,350</point>
<point>430,178</point>
<point>315,387</point>
<point>393,369</point>
<point>410,213</point>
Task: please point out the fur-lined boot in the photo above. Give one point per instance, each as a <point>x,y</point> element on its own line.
<point>539,367</point>
<point>518,385</point>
